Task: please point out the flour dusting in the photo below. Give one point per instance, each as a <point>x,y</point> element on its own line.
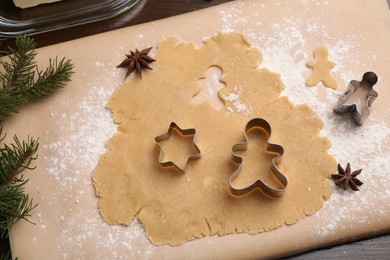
<point>285,51</point>
<point>84,132</point>
<point>237,105</point>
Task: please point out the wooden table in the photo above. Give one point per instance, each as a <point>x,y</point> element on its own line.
<point>149,10</point>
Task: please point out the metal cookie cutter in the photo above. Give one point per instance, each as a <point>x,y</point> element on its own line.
<point>242,146</point>
<point>360,112</point>
<point>183,132</point>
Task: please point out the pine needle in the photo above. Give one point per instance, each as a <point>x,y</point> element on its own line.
<point>16,158</point>
<point>50,80</point>
<point>14,203</point>
<point>23,82</point>
<point>6,256</point>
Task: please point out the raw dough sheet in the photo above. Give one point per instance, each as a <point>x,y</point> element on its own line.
<point>177,208</point>
<point>74,126</point>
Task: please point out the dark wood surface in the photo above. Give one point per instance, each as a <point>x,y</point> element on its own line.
<point>148,10</point>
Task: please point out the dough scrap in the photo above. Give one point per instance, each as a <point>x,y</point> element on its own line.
<point>321,66</point>
<point>175,208</point>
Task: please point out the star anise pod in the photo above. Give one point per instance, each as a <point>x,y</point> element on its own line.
<point>345,178</point>
<point>137,61</point>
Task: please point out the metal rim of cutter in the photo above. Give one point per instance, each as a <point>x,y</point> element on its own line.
<point>242,146</point>
<point>357,116</point>
<point>166,136</point>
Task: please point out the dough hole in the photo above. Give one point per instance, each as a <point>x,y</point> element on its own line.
<point>211,84</point>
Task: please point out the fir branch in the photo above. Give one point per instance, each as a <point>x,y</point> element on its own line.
<point>20,67</point>
<point>6,256</point>
<point>51,79</point>
<point>15,158</point>
<point>23,82</point>
<point>9,104</point>
<point>14,203</point>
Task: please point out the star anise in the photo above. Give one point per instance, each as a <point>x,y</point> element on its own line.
<point>345,178</point>
<point>137,61</point>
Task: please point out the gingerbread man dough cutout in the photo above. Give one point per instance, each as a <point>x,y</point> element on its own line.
<point>321,66</point>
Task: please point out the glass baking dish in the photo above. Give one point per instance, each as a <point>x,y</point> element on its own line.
<point>15,21</point>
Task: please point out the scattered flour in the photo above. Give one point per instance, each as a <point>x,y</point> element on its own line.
<point>238,106</point>
<point>286,53</point>
<point>83,138</point>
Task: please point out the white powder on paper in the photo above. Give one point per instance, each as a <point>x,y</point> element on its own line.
<point>232,17</point>
<point>286,53</point>
<point>83,138</point>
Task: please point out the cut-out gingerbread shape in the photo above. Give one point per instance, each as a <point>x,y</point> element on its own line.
<point>321,66</point>
<point>211,84</point>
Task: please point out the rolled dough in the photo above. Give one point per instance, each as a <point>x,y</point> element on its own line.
<point>175,208</point>
<point>321,66</point>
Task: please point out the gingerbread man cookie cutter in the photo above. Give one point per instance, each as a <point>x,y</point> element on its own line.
<point>242,146</point>
<point>166,136</point>
<point>360,112</point>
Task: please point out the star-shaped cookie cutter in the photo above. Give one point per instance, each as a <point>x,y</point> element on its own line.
<point>242,146</point>
<point>359,115</point>
<point>183,132</point>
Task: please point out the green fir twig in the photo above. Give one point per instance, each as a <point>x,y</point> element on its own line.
<point>22,82</point>
<point>5,256</point>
